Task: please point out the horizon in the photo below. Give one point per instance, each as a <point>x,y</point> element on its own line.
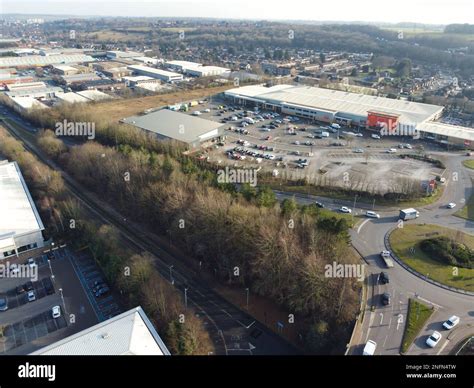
<point>424,12</point>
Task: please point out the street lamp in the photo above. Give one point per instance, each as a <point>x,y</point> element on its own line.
<point>51,269</point>
<point>171,273</point>
<point>186,298</point>
<point>247,290</point>
<point>62,298</point>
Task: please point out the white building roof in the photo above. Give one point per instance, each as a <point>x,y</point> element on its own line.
<point>28,103</point>
<point>339,101</point>
<point>71,97</point>
<point>456,131</point>
<point>17,209</point>
<point>151,70</point>
<point>41,60</point>
<point>130,333</point>
<point>94,95</point>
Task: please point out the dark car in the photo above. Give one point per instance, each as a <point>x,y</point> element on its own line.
<point>319,204</point>
<point>3,303</point>
<point>384,278</point>
<point>28,286</point>
<point>386,298</point>
<point>48,286</point>
<point>98,286</point>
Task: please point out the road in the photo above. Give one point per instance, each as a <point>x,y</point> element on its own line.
<point>232,330</point>
<point>385,325</point>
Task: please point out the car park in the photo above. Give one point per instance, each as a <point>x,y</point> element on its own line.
<point>433,339</point>
<point>371,214</point>
<point>345,209</point>
<point>56,312</point>
<point>451,322</point>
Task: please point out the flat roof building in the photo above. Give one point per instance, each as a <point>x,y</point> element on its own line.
<point>128,334</point>
<point>24,104</point>
<point>196,69</point>
<point>20,224</point>
<point>184,128</point>
<point>115,54</point>
<point>40,60</point>
<point>164,75</point>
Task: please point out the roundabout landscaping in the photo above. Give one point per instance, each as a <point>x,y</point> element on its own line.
<point>417,246</point>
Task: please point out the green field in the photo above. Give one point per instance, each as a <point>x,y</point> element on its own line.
<point>418,315</point>
<point>405,244</point>
<point>467,211</point>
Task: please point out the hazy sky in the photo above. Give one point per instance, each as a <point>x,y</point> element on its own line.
<point>420,11</point>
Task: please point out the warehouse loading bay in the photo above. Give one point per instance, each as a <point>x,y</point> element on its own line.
<point>299,148</point>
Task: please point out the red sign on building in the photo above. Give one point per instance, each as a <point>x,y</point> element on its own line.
<point>381,120</point>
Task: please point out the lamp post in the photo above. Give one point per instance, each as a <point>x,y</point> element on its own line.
<point>51,270</point>
<point>62,298</point>
<point>171,274</point>
<point>186,298</point>
<point>247,290</point>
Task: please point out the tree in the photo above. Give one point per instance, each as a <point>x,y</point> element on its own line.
<point>266,197</point>
<point>404,68</point>
<point>316,337</point>
<point>288,206</point>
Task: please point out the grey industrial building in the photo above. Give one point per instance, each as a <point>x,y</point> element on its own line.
<point>20,224</point>
<point>191,131</point>
<point>327,105</point>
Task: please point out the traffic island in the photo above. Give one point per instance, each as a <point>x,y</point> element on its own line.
<point>434,253</point>
<point>418,315</point>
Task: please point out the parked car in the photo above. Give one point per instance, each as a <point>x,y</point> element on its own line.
<point>3,303</point>
<point>391,151</point>
<point>345,209</point>
<point>102,291</point>
<point>375,136</point>
<point>20,289</point>
<point>31,262</point>
<point>56,312</point>
<point>451,322</point>
<point>451,205</point>
<point>48,286</point>
<point>31,296</point>
<point>319,204</point>
<point>369,348</point>
<point>359,151</point>
<point>28,286</point>
<point>433,339</point>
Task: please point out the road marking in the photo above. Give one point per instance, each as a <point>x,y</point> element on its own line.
<point>430,302</point>
<point>442,347</point>
<point>361,225</point>
<point>381,318</point>
<point>225,312</point>
<point>390,322</point>
<point>399,320</point>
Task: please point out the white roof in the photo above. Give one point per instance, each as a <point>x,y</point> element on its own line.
<point>94,95</point>
<point>17,209</point>
<point>41,60</point>
<point>130,333</point>
<point>28,103</point>
<point>64,67</point>
<point>71,97</point>
<point>456,131</point>
<point>184,64</point>
<point>339,101</point>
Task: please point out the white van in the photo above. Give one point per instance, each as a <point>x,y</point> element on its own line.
<point>369,348</point>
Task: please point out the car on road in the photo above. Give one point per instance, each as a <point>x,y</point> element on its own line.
<point>433,339</point>
<point>451,322</point>
<point>371,214</point>
<point>369,348</point>
<point>386,299</point>
<point>358,151</point>
<point>56,312</point>
<point>3,303</point>
<point>375,136</point>
<point>319,204</point>
<point>391,151</point>
<point>451,205</point>
<point>345,209</point>
<point>31,296</point>
<point>384,278</point>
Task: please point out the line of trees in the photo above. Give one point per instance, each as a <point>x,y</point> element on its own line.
<point>131,273</point>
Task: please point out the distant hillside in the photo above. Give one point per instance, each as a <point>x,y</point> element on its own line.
<point>460,28</point>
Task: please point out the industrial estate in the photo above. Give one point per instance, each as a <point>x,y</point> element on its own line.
<point>221,187</point>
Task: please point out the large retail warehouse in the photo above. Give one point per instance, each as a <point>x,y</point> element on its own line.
<point>20,224</point>
<point>398,117</point>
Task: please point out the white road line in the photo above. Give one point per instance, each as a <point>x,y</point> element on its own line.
<point>442,347</point>
<point>361,225</point>
<point>389,322</point>
<point>225,312</point>
<point>430,302</point>
<point>381,318</point>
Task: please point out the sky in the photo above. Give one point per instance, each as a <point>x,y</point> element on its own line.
<point>378,11</point>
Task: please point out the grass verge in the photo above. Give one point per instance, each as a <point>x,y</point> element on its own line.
<point>469,163</point>
<point>405,244</point>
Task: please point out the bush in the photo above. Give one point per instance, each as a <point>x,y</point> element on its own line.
<point>449,252</point>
